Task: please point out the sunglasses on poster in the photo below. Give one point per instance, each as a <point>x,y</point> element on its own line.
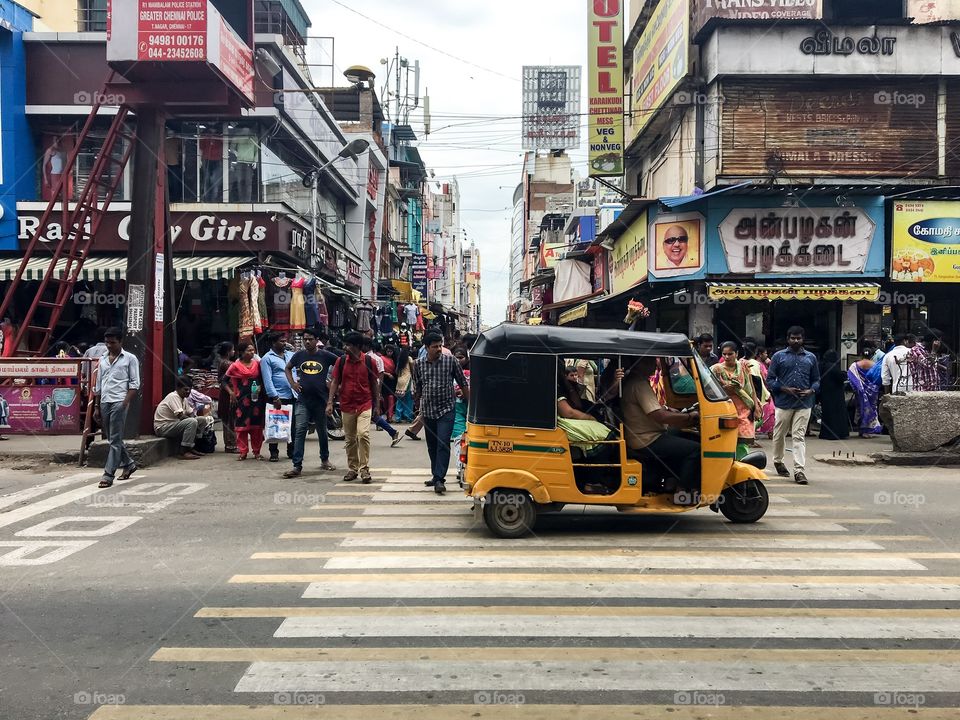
<point>675,240</point>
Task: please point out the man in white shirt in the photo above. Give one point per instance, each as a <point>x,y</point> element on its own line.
<point>895,374</point>
<point>118,381</point>
<point>175,417</point>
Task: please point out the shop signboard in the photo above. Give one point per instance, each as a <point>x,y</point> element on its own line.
<point>551,107</point>
<point>797,240</point>
<point>706,10</point>
<point>550,254</point>
<point>418,270</point>
<point>354,276</point>
<point>575,313</point>
<point>40,409</point>
<point>660,60</point>
<point>605,70</point>
<point>677,245</point>
<point>925,241</point>
<point>600,270</point>
<point>628,259</point>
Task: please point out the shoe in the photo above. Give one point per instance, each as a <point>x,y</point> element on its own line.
<point>106,482</point>
<point>231,451</point>
<point>799,478</point>
<point>396,440</point>
<point>327,465</point>
<point>188,456</point>
<point>242,456</point>
<point>365,477</point>
<point>411,435</point>
<point>430,483</point>
<point>295,472</point>
<point>350,476</point>
<point>781,469</point>
<point>439,488</point>
<point>130,470</point>
<point>275,458</point>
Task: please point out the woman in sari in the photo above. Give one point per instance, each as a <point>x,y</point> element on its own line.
<point>734,375</point>
<point>868,396</point>
<point>769,416</point>
<point>245,386</point>
<point>758,372</point>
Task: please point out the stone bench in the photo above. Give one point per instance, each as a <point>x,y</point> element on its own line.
<point>922,422</point>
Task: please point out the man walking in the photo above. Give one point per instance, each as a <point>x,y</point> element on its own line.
<point>433,383</point>
<point>118,380</point>
<point>704,343</point>
<point>793,378</point>
<point>355,382</point>
<point>273,368</point>
<point>895,373</point>
<point>312,367</point>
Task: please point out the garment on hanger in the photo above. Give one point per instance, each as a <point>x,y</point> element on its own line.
<point>298,319</point>
<point>262,301</point>
<point>323,314</point>
<point>364,311</point>
<point>310,302</point>
<point>255,305</point>
<point>245,328</point>
<point>385,319</point>
<point>281,302</point>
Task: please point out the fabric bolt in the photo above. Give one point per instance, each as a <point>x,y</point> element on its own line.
<point>262,301</point>
<point>246,327</point>
<point>298,318</point>
<point>434,383</point>
<point>797,370</point>
<point>794,421</point>
<point>356,429</point>
<point>312,316</point>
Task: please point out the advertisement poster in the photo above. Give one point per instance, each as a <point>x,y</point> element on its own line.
<point>676,245</point>
<point>605,68</point>
<point>926,241</point>
<point>418,270</point>
<point>797,240</point>
<point>39,409</point>
<point>551,107</point>
<point>660,60</point>
<point>236,60</point>
<point>629,257</point>
<point>172,30</point>
<point>706,10</point>
<point>550,254</point>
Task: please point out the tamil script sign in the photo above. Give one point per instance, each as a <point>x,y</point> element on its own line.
<point>926,241</point>
<point>629,257</point>
<point>605,67</point>
<point>660,60</point>
<point>706,10</point>
<point>418,273</point>
<point>797,240</point>
<point>551,107</point>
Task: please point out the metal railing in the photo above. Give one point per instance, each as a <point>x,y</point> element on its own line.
<point>92,15</point>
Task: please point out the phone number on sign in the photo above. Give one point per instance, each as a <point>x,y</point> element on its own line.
<point>179,41</point>
<point>176,54</point>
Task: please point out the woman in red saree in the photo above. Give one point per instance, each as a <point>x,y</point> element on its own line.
<point>245,386</point>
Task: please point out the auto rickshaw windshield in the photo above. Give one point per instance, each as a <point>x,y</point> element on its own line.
<point>712,389</point>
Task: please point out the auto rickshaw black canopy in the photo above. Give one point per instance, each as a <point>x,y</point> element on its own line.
<point>504,340</point>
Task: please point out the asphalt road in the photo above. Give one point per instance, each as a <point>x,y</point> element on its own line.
<point>217,590</point>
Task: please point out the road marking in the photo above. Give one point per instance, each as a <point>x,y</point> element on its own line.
<point>32,492</point>
<point>589,654</point>
<point>676,540</point>
<point>109,524</point>
<point>510,712</point>
<point>24,552</point>
<point>572,676</point>
<point>14,516</point>
<point>599,558</point>
<point>653,538</point>
<point>598,577</point>
<point>578,612</point>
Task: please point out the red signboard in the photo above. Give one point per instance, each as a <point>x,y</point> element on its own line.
<point>373,182</point>
<point>236,62</point>
<point>353,273</point>
<point>172,30</point>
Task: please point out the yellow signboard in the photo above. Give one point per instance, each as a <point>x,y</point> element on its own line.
<point>576,313</point>
<point>551,253</point>
<point>847,292</point>
<point>660,60</point>
<point>629,256</point>
<point>605,67</point>
<point>926,241</point>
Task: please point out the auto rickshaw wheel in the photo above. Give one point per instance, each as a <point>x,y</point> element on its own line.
<point>745,502</point>
<point>509,514</point>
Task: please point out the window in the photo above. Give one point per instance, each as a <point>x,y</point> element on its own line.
<point>681,381</point>
<point>712,389</point>
<point>862,11</point>
<point>93,15</point>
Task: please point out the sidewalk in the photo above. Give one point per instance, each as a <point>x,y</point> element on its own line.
<point>41,448</point>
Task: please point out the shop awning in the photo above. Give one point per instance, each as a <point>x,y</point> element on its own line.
<point>571,301</point>
<point>794,291</point>
<point>115,268</point>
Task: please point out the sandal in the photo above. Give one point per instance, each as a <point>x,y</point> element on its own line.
<point>350,476</point>
<point>295,472</point>
<point>241,457</point>
<point>258,456</point>
<point>105,483</point>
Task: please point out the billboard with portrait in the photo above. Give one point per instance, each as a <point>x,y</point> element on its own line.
<point>677,245</point>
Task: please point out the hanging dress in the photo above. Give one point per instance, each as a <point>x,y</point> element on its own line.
<point>255,305</point>
<point>310,302</point>
<point>322,313</point>
<point>245,328</point>
<point>262,301</point>
<point>281,303</point>
<point>298,319</point>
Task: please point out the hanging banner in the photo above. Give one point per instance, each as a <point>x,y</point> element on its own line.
<point>418,273</point>
<point>660,60</point>
<point>629,257</point>
<point>926,241</point>
<point>605,67</point>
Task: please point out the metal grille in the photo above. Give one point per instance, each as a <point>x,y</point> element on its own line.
<point>93,15</point>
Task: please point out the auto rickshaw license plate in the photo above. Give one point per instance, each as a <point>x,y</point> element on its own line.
<point>501,446</point>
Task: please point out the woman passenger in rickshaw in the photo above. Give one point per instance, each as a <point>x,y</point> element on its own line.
<point>582,429</point>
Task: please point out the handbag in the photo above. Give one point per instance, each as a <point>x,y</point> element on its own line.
<point>278,424</point>
<point>206,443</point>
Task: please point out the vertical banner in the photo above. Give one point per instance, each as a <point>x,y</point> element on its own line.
<point>605,67</point>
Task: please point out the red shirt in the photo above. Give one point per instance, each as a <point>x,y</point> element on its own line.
<point>355,376</point>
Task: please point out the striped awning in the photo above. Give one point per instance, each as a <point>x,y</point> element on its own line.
<point>794,291</point>
<point>115,268</point>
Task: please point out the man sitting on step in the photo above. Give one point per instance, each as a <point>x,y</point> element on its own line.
<point>175,417</point>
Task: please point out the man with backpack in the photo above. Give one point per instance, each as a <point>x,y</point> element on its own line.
<point>356,383</point>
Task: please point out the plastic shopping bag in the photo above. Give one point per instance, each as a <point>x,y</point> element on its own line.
<point>278,424</point>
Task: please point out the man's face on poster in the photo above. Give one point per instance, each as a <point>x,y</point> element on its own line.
<point>675,244</point>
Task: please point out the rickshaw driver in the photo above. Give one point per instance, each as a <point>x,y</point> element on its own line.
<point>646,425</point>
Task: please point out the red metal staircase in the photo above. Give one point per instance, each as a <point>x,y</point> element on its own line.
<point>79,222</point>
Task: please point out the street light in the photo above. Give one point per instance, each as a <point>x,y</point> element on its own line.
<point>351,150</point>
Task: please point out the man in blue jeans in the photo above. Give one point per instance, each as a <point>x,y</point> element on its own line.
<point>118,381</point>
<point>279,393</point>
<point>434,377</point>
<point>312,367</point>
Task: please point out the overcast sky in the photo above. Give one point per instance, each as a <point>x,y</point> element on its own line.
<point>472,71</point>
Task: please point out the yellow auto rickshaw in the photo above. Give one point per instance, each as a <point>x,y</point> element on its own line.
<point>518,461</point>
